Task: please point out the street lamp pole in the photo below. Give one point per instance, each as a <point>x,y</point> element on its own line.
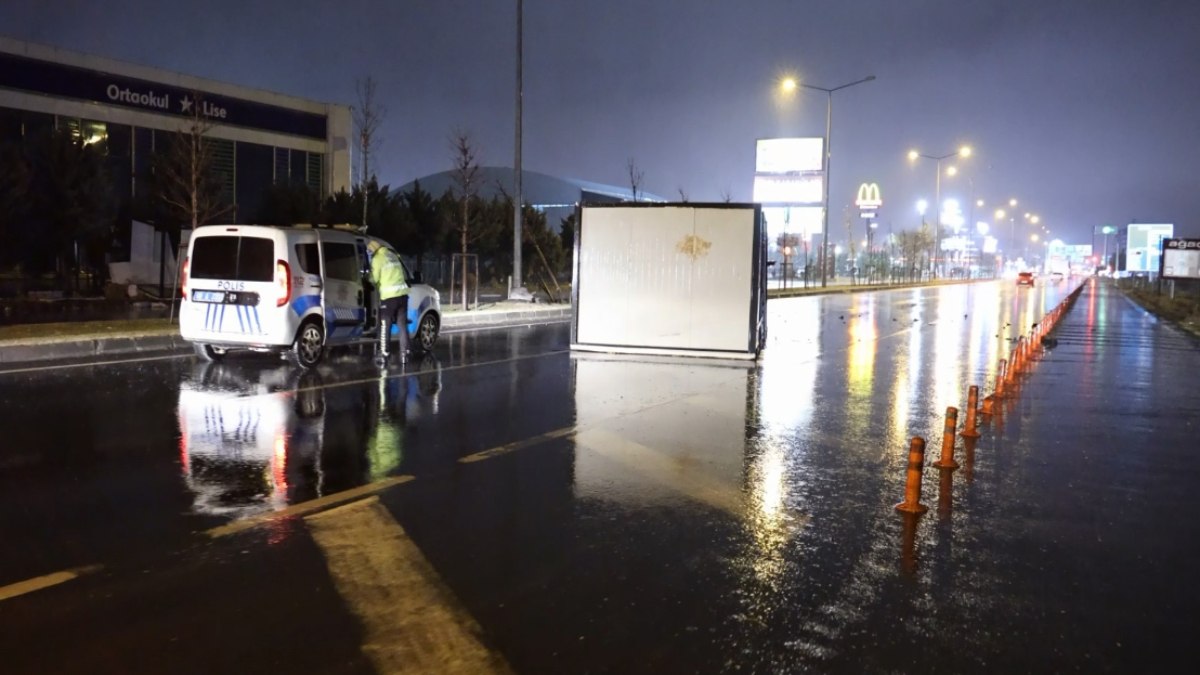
<point>913,155</point>
<point>518,205</point>
<point>828,158</point>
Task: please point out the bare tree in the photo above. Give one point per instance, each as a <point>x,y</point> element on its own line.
<point>184,178</point>
<point>913,244</point>
<point>683,196</point>
<point>367,116</point>
<point>466,178</point>
<point>635,177</point>
<point>726,195</point>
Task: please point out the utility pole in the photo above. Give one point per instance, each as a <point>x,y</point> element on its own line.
<point>518,205</point>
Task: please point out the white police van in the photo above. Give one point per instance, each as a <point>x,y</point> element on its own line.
<point>291,290</point>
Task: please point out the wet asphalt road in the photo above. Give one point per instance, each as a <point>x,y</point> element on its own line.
<point>550,513</point>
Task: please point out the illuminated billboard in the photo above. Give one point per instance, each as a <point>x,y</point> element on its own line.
<point>1143,246</point>
<point>788,189</point>
<point>803,221</point>
<point>789,155</point>
<point>1181,259</point>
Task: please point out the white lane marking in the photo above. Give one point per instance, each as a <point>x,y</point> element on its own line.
<point>167,357</point>
<point>413,622</point>
<point>91,364</point>
<point>516,445</point>
<point>307,507</point>
<point>45,581</point>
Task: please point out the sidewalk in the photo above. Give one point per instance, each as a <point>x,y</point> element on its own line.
<point>843,285</point>
<point>82,339</point>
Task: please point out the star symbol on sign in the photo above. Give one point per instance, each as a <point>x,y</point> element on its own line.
<point>186,104</point>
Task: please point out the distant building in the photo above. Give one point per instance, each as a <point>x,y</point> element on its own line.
<point>556,197</point>
<point>261,138</point>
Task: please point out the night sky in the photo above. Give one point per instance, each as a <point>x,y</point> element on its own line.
<point>1085,111</point>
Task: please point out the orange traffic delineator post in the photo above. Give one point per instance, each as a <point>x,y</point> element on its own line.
<point>948,431</point>
<point>912,483</point>
<point>972,405</point>
<point>986,408</point>
<point>1001,375</point>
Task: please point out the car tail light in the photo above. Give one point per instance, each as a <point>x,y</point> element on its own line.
<point>183,277</point>
<point>283,283</point>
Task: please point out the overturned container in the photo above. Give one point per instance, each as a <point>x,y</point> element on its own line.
<point>680,279</point>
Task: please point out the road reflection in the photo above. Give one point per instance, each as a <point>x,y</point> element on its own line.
<point>255,438</point>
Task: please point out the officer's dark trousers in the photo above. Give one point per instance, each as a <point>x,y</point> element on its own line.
<point>391,311</point>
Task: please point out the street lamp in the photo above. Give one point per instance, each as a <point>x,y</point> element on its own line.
<point>828,155</point>
<point>914,155</point>
<point>1105,230</point>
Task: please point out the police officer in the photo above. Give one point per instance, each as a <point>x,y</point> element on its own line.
<point>388,276</point>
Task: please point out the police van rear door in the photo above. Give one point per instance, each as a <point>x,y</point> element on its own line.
<point>345,301</point>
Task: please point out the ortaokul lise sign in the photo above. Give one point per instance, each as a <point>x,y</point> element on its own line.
<point>56,79</point>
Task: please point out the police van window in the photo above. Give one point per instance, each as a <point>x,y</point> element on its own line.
<point>309,257</point>
<point>341,262</point>
<point>233,258</point>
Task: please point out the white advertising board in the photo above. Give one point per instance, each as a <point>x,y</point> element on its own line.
<point>671,279</point>
<point>1144,246</point>
<point>789,155</point>
<point>1181,259</point>
<point>799,189</point>
<point>802,221</point>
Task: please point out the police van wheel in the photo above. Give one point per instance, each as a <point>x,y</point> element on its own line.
<point>209,352</point>
<point>427,332</point>
<point>309,346</point>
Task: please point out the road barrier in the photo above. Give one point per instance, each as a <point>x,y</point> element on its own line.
<point>912,484</point>
<point>948,431</point>
<point>1006,385</point>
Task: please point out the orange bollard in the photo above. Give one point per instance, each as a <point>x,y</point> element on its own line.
<point>972,406</point>
<point>1001,376</point>
<point>988,404</point>
<point>912,484</point>
<point>948,430</point>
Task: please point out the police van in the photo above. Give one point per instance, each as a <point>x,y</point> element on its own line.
<point>290,290</point>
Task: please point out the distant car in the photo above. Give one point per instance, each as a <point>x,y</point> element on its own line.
<point>1057,276</point>
<point>1025,279</point>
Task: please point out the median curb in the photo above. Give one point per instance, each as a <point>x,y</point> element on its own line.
<point>52,349</point>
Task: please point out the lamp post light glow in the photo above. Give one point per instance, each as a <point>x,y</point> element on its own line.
<point>913,155</point>
<point>828,156</point>
<point>922,207</point>
<point>788,85</point>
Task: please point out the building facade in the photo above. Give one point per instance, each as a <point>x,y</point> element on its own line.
<point>259,138</point>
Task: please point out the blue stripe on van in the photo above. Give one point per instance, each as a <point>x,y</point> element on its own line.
<point>304,303</point>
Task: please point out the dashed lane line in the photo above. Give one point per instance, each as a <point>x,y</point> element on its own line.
<point>516,445</point>
<point>308,507</point>
<point>45,581</point>
<point>413,622</point>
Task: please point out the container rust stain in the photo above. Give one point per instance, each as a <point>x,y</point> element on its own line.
<point>694,247</point>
